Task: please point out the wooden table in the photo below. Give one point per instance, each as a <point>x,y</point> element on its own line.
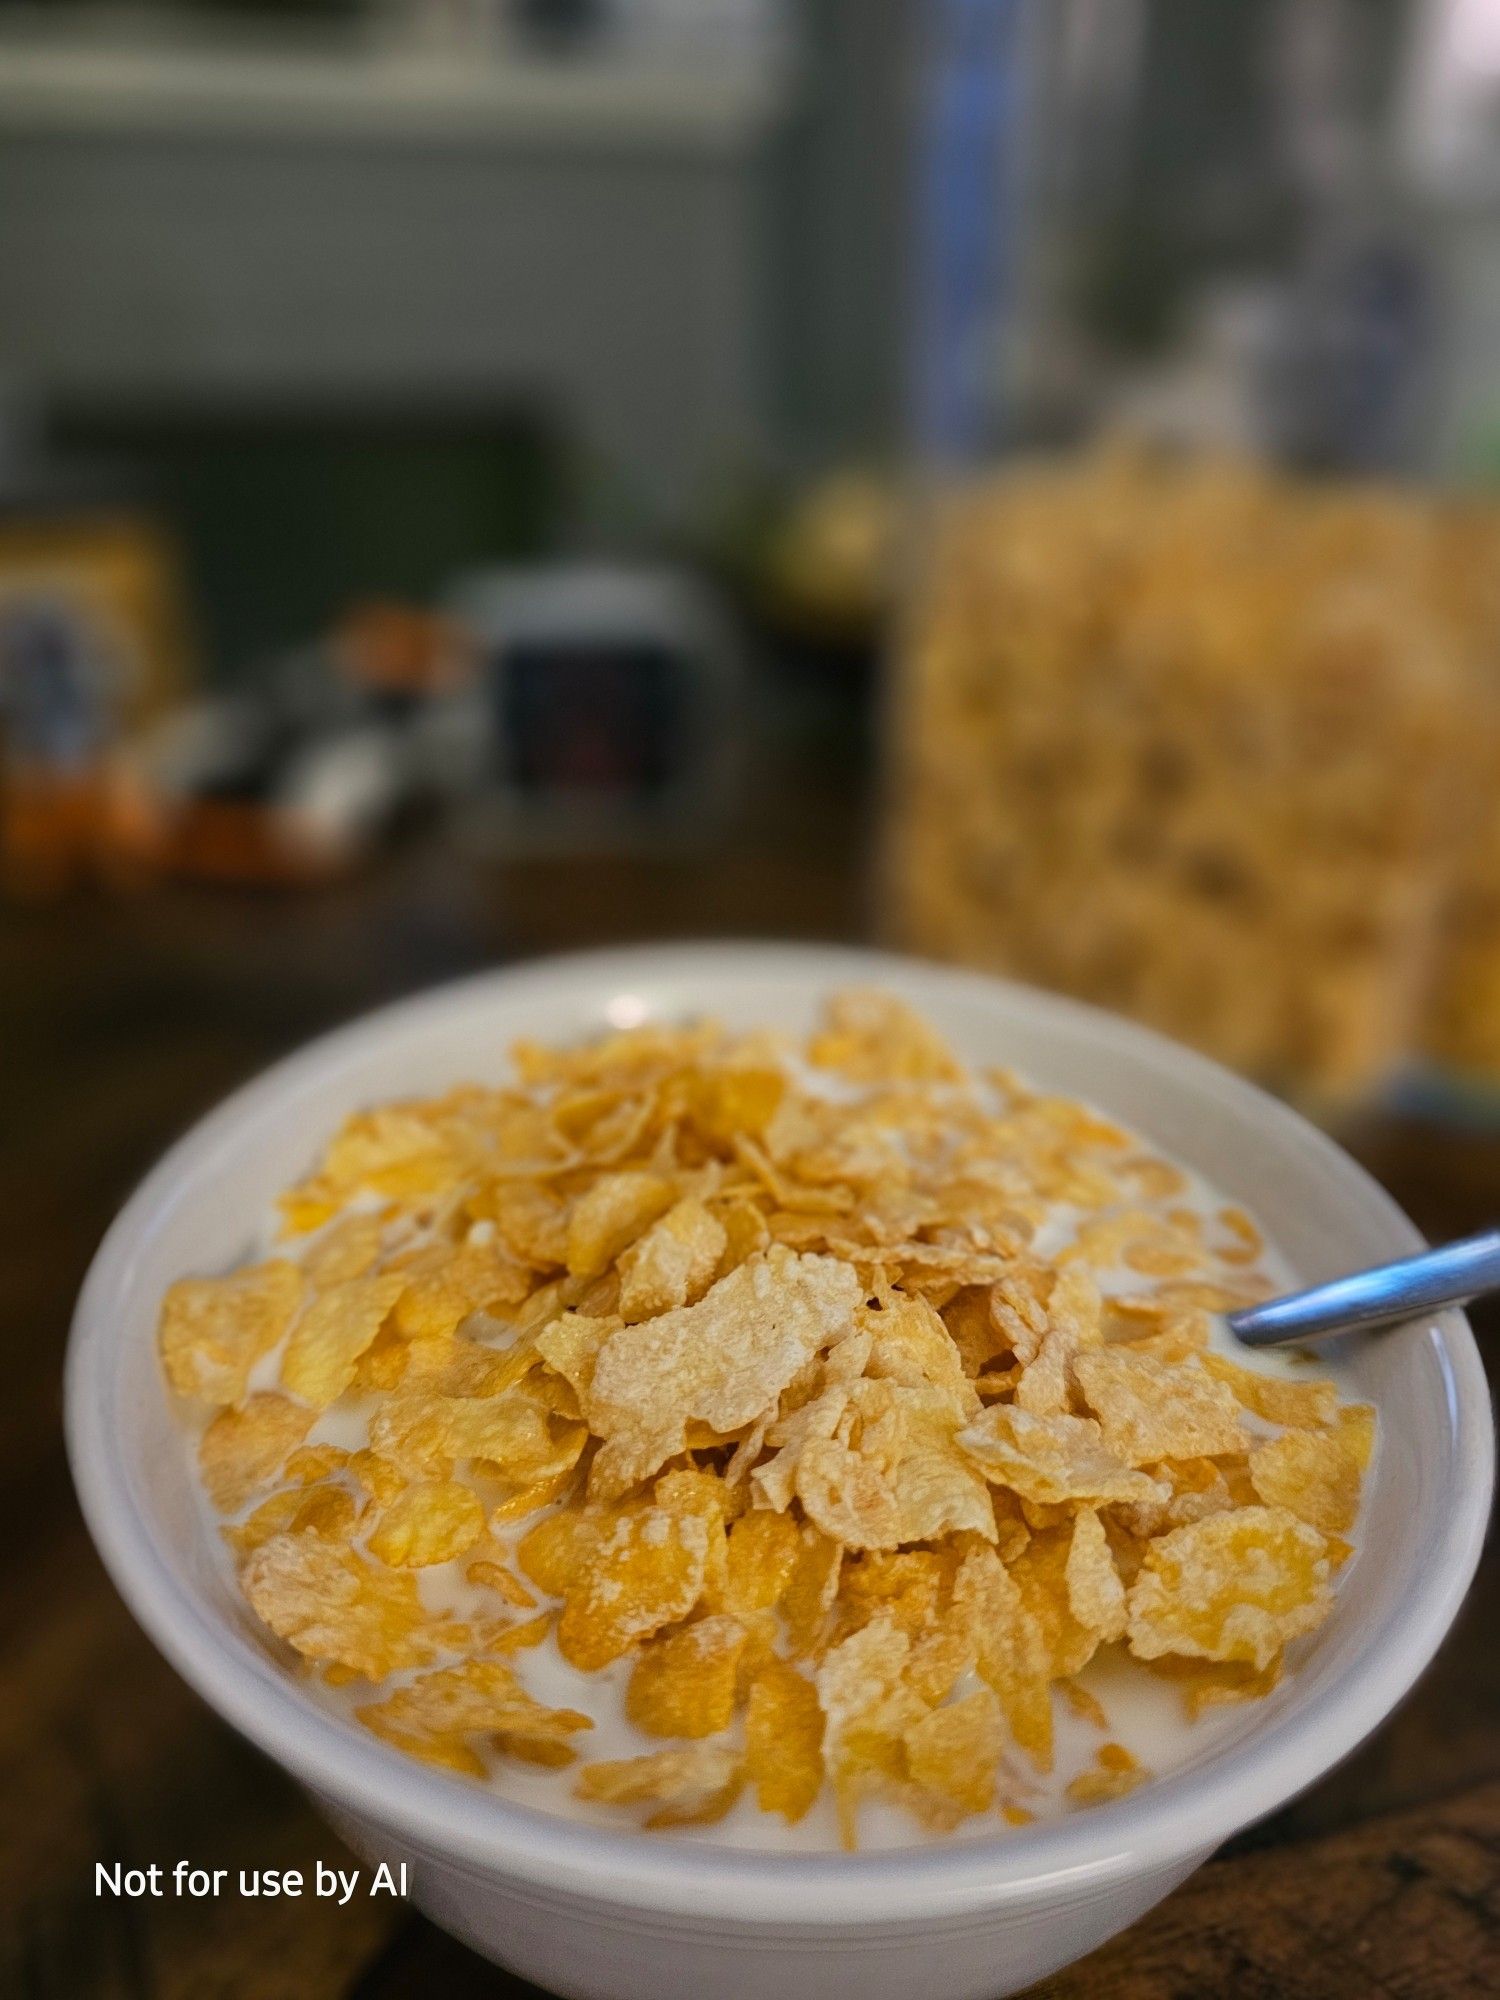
<point>122,1020</point>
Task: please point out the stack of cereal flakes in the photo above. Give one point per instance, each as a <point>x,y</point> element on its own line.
<point>1214,746</point>
<point>1463,1027</point>
<point>746,1363</point>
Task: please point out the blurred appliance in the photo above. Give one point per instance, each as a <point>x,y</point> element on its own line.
<point>610,699</point>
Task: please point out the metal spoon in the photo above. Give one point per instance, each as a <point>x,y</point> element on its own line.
<point>1389,1292</point>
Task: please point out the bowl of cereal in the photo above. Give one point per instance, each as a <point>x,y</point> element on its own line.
<point>724,1459</point>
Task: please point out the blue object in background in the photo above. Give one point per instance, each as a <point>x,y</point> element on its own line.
<point>968,209</point>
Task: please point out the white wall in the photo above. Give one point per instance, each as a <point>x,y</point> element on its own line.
<point>608,257</point>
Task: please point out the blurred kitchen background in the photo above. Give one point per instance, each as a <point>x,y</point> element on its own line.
<point>1017,479</point>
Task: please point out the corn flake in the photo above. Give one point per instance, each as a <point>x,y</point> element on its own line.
<point>479,1697</point>
<point>1238,1586</point>
<point>334,1605</point>
<point>1096,1596</point>
<point>866,1710</point>
<point>1314,1474</point>
<point>1040,1572</point>
<point>954,1752</point>
<point>613,1213</point>
<point>673,1263</point>
<point>1116,1772</point>
<point>691,1787</point>
<point>1149,1410</point>
<point>783,1740</point>
<point>430,1521</point>
<point>214,1330</point>
<point>874,1037</point>
<point>684,1683</point>
<point>242,1449</point>
<point>723,1360</point>
<point>645,1570</point>
<point>332,1333</point>
<point>812,1591</point>
<point>1211,1684</point>
<point>1276,1399</point>
<point>899,1477</point>
<point>1010,1650</point>
<point>449,1284</point>
<point>1050,1459</point>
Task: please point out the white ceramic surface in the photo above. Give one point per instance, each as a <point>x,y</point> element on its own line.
<point>618,1915</point>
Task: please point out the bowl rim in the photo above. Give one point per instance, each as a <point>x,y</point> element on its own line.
<point>1180,1816</point>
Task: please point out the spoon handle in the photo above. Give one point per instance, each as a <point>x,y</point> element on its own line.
<point>1443,1277</point>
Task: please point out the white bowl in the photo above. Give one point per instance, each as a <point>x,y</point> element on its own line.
<point>607,1914</point>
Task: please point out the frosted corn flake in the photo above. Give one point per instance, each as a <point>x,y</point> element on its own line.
<point>214,1330</point>
<point>333,1332</point>
<point>479,1698</point>
<point>894,1473</point>
<point>431,1521</point>
<point>645,1569</point>
<point>692,1787</point>
<point>685,1682</point>
<point>953,1754</point>
<point>1150,1410</point>
<point>723,1361</point>
<point>1315,1474</point>
<point>1096,1596</point>
<point>243,1448</point>
<point>336,1606</point>
<point>673,1263</point>
<point>1237,1587</point>
<point>783,1739</point>
<point>1051,1459</point>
